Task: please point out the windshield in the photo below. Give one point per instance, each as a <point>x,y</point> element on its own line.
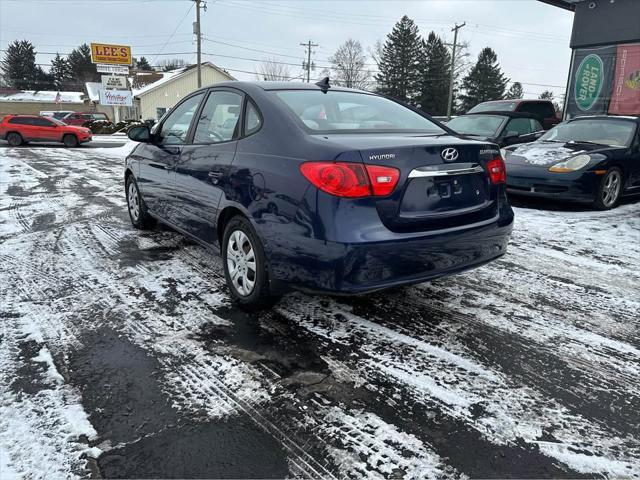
<point>494,107</point>
<point>616,133</point>
<point>56,121</point>
<point>335,112</point>
<point>483,125</point>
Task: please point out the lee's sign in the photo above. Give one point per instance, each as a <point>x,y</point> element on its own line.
<point>111,81</point>
<point>120,98</point>
<point>110,54</point>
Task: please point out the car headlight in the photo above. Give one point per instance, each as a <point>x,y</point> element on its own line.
<point>571,165</point>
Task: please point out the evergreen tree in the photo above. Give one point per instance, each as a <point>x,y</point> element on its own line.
<point>436,70</point>
<point>80,67</point>
<point>485,81</point>
<point>400,63</point>
<point>43,80</point>
<point>19,67</point>
<point>142,64</point>
<point>514,92</point>
<point>60,72</point>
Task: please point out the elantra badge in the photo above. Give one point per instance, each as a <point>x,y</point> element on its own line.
<point>449,154</point>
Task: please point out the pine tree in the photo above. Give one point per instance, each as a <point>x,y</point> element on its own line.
<point>80,67</point>
<point>400,63</point>
<point>19,67</point>
<point>60,72</point>
<point>436,69</point>
<point>142,64</point>
<point>484,82</point>
<point>514,92</point>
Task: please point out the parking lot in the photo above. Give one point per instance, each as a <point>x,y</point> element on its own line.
<point>122,356</point>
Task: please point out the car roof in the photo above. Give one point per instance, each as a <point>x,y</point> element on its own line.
<point>280,86</point>
<point>518,100</point>
<point>501,114</point>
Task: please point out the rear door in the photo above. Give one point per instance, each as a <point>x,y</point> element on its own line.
<point>202,172</point>
<point>45,129</point>
<point>22,125</point>
<point>157,160</point>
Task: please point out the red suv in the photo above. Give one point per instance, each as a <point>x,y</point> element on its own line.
<point>543,110</point>
<point>79,118</point>
<point>18,129</point>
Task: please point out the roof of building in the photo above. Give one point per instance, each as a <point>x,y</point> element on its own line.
<point>40,96</point>
<point>566,4</point>
<point>172,75</point>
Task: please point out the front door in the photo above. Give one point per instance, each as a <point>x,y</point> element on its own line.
<point>202,173</point>
<point>158,159</point>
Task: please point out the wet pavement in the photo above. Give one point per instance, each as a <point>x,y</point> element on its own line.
<point>121,355</point>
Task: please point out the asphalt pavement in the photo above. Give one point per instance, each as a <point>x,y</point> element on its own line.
<point>121,355</point>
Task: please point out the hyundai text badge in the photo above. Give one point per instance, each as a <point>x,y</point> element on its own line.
<point>449,154</point>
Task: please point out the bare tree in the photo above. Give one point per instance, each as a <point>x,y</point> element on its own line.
<point>272,70</point>
<point>171,64</point>
<point>348,65</point>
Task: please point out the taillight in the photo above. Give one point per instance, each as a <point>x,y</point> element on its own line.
<point>497,171</point>
<point>351,180</point>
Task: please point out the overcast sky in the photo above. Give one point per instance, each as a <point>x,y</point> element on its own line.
<point>530,38</point>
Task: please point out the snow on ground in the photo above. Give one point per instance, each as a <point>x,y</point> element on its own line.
<point>120,351</point>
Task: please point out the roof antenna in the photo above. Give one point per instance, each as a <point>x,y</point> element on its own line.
<point>324,84</point>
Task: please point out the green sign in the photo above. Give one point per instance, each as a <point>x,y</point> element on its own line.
<point>589,79</point>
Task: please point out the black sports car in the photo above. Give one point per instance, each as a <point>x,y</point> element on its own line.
<point>588,159</point>
<point>503,128</point>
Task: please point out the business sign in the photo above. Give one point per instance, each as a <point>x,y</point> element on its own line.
<point>118,69</point>
<point>591,81</point>
<point>625,99</point>
<point>111,81</point>
<point>120,98</point>
<point>110,54</point>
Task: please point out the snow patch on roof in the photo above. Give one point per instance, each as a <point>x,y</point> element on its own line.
<point>166,77</point>
<point>41,96</point>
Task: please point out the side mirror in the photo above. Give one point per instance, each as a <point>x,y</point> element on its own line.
<point>140,133</point>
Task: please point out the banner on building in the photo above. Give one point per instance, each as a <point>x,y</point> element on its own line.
<point>625,98</point>
<point>591,81</point>
<point>122,98</point>
<point>111,54</point>
<point>117,69</point>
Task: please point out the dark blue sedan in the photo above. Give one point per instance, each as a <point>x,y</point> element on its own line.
<point>318,188</point>
<point>593,160</point>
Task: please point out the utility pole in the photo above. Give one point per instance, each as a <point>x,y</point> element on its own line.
<point>197,31</point>
<point>307,65</point>
<point>453,67</point>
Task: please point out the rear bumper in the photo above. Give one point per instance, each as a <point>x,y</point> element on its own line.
<point>353,268</point>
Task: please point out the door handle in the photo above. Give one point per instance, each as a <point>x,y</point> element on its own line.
<point>215,174</point>
<point>168,167</point>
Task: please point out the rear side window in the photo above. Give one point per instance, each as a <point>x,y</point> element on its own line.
<point>252,120</point>
<point>542,110</point>
<point>350,112</point>
<point>42,122</point>
<point>99,116</point>
<point>21,121</point>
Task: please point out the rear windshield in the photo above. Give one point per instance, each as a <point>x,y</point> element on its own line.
<point>617,133</point>
<point>494,107</point>
<point>484,125</point>
<point>348,112</point>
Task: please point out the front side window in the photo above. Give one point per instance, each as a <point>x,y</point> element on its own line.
<point>617,133</point>
<point>175,128</point>
<point>351,112</point>
<point>219,117</point>
<point>518,126</point>
<point>42,122</point>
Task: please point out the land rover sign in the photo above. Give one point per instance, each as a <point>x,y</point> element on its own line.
<point>589,79</point>
<point>591,83</point>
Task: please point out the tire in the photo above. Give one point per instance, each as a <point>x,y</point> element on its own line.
<point>245,265</point>
<point>610,189</point>
<point>70,141</point>
<point>136,207</point>
<point>14,139</point>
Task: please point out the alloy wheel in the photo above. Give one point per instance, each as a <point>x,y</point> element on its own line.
<point>611,188</point>
<point>133,201</point>
<point>241,262</point>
